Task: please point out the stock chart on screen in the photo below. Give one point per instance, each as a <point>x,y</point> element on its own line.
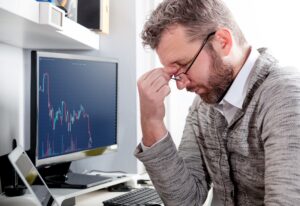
<point>77,104</point>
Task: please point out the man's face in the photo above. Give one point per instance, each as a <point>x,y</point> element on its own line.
<point>208,76</point>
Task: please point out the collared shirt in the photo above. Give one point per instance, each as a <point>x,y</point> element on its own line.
<point>235,96</point>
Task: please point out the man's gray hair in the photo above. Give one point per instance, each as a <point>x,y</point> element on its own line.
<point>199,17</point>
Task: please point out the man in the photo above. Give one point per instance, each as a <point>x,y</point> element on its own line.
<point>242,133</point>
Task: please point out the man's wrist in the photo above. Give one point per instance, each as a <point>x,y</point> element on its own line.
<point>144,147</point>
<point>152,131</point>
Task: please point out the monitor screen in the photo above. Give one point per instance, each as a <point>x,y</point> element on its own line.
<point>74,103</point>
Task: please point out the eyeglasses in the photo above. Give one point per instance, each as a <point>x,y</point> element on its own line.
<point>177,77</point>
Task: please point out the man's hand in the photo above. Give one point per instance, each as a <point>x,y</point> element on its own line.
<point>153,87</point>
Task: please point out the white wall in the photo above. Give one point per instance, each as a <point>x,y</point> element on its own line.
<point>11,101</point>
<point>272,24</point>
<point>145,58</point>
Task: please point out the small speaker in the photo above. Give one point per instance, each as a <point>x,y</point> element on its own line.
<point>94,14</point>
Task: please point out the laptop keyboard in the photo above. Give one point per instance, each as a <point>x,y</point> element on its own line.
<point>142,196</point>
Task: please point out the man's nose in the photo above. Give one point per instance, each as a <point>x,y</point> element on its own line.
<point>182,82</point>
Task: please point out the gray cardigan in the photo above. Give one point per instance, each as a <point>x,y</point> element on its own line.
<point>255,160</point>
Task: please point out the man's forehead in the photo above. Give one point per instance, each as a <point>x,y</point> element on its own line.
<point>172,34</point>
<point>173,45</point>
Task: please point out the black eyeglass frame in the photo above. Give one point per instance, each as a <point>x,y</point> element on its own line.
<point>177,77</point>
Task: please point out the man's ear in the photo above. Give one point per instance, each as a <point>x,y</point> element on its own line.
<point>223,41</point>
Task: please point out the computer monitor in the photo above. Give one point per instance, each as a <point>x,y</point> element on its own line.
<point>73,109</point>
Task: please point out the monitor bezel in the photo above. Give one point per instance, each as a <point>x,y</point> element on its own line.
<point>35,55</point>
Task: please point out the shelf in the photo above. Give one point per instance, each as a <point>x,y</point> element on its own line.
<point>63,193</point>
<point>20,27</point>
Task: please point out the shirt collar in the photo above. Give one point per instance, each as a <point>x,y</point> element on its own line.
<point>237,91</point>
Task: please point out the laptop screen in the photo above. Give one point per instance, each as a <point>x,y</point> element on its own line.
<point>32,177</point>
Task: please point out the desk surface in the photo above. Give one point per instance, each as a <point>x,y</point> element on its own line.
<point>87,198</point>
<point>90,196</point>
<point>90,199</point>
<point>96,198</point>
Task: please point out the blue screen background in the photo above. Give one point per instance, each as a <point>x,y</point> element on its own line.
<point>77,105</point>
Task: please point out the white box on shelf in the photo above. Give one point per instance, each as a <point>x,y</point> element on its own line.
<point>51,15</point>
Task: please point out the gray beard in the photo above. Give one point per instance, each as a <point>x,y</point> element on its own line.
<point>220,80</point>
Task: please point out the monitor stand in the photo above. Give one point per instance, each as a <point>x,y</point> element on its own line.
<point>59,176</point>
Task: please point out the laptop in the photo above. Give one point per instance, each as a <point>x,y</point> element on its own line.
<point>31,178</point>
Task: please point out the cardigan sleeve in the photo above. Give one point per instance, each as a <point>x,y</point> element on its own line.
<point>179,177</point>
<point>280,114</point>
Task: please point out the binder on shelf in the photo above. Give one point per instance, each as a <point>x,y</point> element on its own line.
<point>94,14</point>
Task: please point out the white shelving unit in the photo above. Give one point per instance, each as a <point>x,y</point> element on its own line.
<point>20,27</point>
<point>63,194</point>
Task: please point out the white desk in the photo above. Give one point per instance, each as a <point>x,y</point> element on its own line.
<point>95,198</point>
<point>87,197</point>
<point>90,199</point>
<point>90,196</point>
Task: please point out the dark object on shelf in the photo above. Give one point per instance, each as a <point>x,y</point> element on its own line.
<point>94,14</point>
<point>88,13</point>
<point>15,189</point>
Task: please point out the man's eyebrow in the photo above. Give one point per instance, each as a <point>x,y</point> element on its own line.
<point>181,61</point>
<point>184,63</point>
